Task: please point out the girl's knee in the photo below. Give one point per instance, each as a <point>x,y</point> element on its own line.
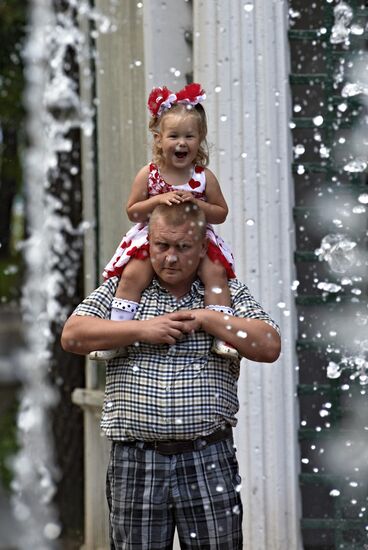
<point>137,274</point>
<point>217,271</point>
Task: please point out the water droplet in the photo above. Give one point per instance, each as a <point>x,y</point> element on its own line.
<point>359,210</point>
<point>358,30</point>
<point>318,120</point>
<point>333,370</point>
<point>193,535</point>
<point>216,290</point>
<point>338,251</point>
<point>52,531</point>
<point>218,89</point>
<point>248,7</point>
<point>356,165</point>
<point>328,287</point>
<point>219,488</point>
<point>334,493</point>
<point>241,334</point>
<point>340,30</point>
<point>299,149</point>
<point>250,222</point>
<point>223,118</point>
<point>363,198</point>
<point>324,152</point>
<point>356,291</point>
<point>354,88</point>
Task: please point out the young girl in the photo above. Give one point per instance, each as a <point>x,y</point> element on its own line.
<point>177,174</point>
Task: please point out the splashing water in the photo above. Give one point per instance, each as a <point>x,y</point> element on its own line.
<point>54,108</point>
<point>356,166</point>
<point>352,89</point>
<point>341,29</point>
<point>338,251</point>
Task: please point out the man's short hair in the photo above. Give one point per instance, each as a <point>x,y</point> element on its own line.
<point>178,214</point>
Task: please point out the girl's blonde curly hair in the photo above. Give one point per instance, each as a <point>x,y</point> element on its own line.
<point>202,158</point>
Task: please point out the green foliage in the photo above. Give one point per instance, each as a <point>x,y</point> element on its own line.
<point>11,270</point>
<point>8,442</point>
<point>13,18</point>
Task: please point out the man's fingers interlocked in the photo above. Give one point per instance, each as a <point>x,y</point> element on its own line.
<point>167,329</point>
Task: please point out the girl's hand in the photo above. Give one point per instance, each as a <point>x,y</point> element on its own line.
<point>172,197</point>
<point>187,196</point>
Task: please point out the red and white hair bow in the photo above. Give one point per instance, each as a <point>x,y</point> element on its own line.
<point>161,99</point>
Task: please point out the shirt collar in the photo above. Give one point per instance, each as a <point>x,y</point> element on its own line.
<point>196,288</point>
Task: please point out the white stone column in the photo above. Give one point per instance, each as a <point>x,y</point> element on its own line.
<point>147,48</point>
<point>241,58</point>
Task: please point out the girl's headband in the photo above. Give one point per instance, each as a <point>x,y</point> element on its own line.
<point>161,99</point>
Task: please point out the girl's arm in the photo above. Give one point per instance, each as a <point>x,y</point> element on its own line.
<point>139,205</point>
<point>215,208</point>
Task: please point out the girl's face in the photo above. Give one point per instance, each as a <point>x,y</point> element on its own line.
<point>179,139</point>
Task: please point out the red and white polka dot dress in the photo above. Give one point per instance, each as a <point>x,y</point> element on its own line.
<point>135,243</point>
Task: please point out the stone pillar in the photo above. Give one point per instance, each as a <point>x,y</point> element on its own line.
<point>147,48</point>
<point>241,58</point>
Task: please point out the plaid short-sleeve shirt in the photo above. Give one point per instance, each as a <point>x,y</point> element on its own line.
<point>161,392</point>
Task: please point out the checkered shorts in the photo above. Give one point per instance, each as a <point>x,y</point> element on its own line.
<point>197,492</point>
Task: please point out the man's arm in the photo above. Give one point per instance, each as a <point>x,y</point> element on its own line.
<point>84,333</point>
<point>254,339</point>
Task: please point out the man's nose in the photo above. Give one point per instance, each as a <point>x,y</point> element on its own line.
<point>171,258</point>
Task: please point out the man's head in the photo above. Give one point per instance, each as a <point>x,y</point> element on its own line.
<point>177,236</point>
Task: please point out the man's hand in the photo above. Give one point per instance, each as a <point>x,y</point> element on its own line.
<point>253,338</point>
<point>167,329</point>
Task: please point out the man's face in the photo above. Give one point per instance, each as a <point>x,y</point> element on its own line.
<point>175,254</point>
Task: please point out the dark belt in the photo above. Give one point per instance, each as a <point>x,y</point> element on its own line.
<point>173,447</point>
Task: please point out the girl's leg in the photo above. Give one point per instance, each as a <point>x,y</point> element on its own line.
<point>216,288</point>
<point>217,296</point>
<point>136,276</point>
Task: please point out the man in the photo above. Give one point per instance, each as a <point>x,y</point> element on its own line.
<point>170,405</point>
